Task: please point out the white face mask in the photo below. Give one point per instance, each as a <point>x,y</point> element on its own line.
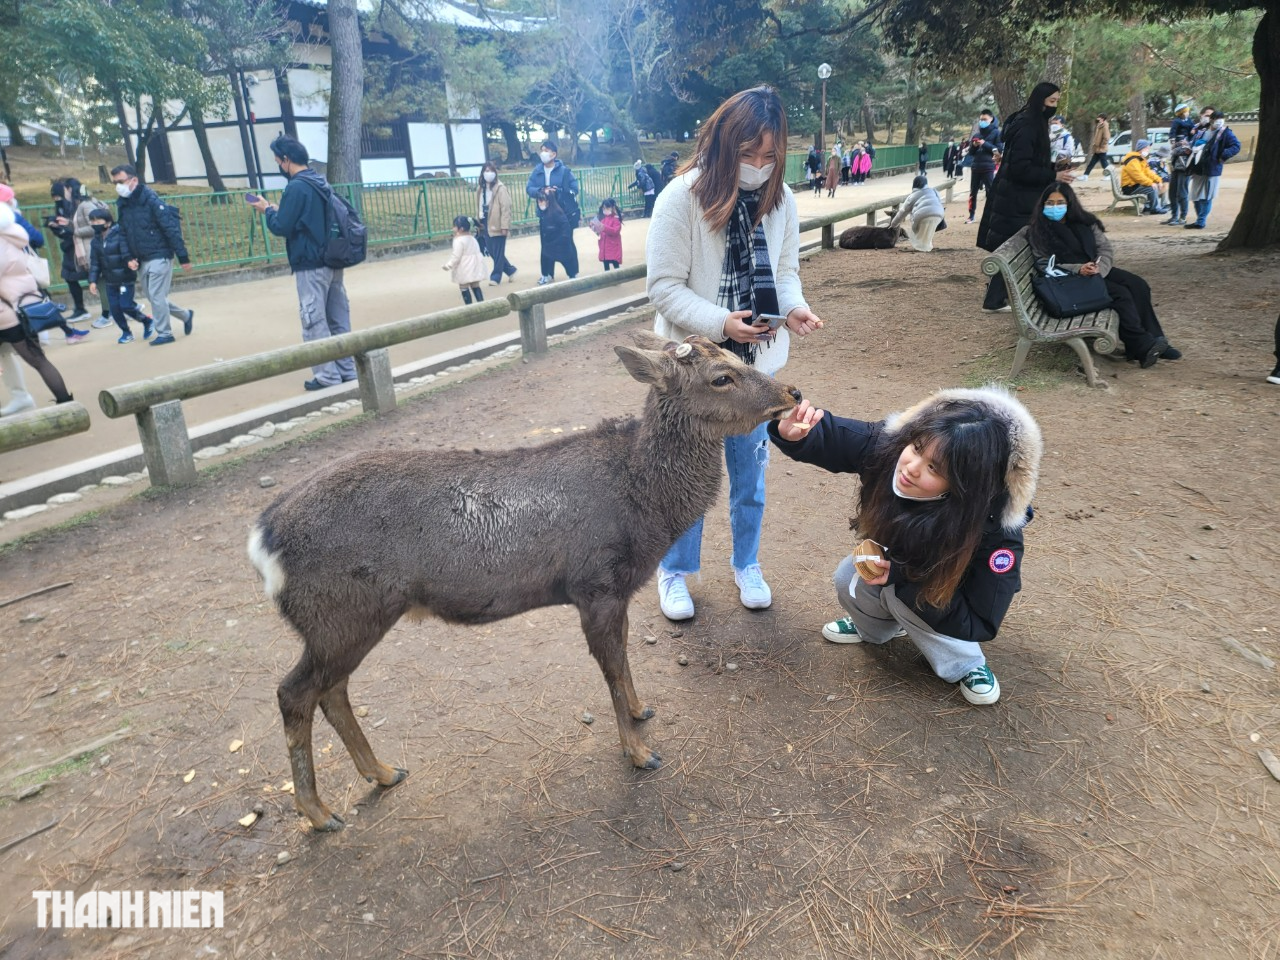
<point>123,189</point>
<point>546,156</point>
<point>899,493</point>
<point>490,176</point>
<point>1219,124</point>
<point>753,178</point>
<point>1055,128</point>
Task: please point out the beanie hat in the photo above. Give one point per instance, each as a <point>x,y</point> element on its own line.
<point>1180,107</point>
<point>1142,144</point>
<point>639,164</point>
<point>6,193</point>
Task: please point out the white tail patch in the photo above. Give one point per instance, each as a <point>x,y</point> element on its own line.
<point>267,565</point>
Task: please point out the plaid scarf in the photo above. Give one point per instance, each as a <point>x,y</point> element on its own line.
<point>746,282</point>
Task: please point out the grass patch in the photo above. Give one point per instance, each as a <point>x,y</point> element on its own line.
<point>57,770</point>
<point>1049,365</point>
<point>38,536</point>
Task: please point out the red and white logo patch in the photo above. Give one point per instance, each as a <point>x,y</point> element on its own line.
<point>1001,561</point>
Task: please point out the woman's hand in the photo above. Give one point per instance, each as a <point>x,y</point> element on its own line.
<point>802,321</point>
<point>799,421</point>
<point>93,289</point>
<point>738,326</point>
<point>884,573</point>
<point>1065,176</point>
<point>1088,269</point>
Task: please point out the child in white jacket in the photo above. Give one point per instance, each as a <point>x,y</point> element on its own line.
<point>467,263</point>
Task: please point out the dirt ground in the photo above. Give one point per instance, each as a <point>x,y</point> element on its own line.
<point>817,801</point>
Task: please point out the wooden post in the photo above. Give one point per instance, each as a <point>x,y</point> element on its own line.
<point>533,329</point>
<point>377,386</point>
<point>165,445</point>
<point>828,236</point>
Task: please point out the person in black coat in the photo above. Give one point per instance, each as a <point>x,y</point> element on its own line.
<point>1026,168</point>
<point>983,144</point>
<point>66,200</point>
<point>557,238</point>
<point>109,257</point>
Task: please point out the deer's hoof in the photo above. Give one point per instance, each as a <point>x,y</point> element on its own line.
<point>654,762</point>
<point>400,774</point>
<point>332,825</point>
<point>646,713</point>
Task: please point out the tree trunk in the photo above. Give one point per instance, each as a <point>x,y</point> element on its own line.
<point>1138,102</point>
<point>511,136</point>
<point>202,141</point>
<point>1057,65</point>
<point>868,119</point>
<point>14,125</point>
<point>1258,223</point>
<point>346,95</point>
<point>1004,86</point>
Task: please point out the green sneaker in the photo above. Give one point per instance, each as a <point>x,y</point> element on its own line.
<point>845,631</point>
<point>841,631</point>
<point>980,686</point>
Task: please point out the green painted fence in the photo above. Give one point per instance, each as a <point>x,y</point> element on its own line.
<point>221,230</point>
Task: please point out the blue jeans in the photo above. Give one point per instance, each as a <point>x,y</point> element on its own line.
<point>1179,189</point>
<point>1202,210</point>
<point>746,456</point>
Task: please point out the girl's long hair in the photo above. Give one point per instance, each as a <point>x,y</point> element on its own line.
<point>934,541</point>
<point>737,125</point>
<point>1039,235</point>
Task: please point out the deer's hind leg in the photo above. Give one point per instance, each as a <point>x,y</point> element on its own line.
<point>337,710</point>
<point>604,621</point>
<point>298,695</point>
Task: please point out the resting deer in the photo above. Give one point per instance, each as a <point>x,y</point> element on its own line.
<point>473,537</point>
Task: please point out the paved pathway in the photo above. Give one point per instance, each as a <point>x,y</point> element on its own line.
<point>246,317</point>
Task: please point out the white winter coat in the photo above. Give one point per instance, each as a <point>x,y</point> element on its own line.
<point>686,259</point>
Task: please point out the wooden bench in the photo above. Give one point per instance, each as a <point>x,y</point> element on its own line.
<point>1119,196</point>
<point>1016,263</point>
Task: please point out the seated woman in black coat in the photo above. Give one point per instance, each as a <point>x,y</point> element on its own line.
<point>1060,227</point>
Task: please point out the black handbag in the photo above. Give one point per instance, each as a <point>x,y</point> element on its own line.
<point>1069,294</point>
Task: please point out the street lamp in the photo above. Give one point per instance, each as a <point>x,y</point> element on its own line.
<point>824,72</point>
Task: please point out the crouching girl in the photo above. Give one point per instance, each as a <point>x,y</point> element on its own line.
<point>946,490</point>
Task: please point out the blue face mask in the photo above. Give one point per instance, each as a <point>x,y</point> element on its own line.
<point>984,124</point>
<point>1055,212</point>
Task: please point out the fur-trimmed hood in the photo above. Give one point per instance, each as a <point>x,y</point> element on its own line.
<point>1025,443</point>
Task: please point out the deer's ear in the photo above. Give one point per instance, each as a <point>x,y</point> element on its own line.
<point>648,340</point>
<point>647,366</point>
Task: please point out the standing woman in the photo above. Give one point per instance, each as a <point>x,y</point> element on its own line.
<point>1026,168</point>
<point>833,172</point>
<point>17,286</point>
<point>495,213</point>
<point>66,201</point>
<point>723,249</point>
<point>1212,145</point>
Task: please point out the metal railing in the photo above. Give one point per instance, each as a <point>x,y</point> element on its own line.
<point>157,403</point>
<point>221,230</point>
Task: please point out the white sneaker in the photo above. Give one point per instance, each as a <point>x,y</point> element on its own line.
<point>102,321</point>
<point>77,317</point>
<point>752,590</point>
<point>673,596</point>
<point>1082,178</point>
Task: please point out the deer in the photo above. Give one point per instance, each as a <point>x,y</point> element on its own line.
<point>472,537</point>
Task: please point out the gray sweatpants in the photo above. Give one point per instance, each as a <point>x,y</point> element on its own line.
<point>155,277</point>
<point>325,311</point>
<point>879,614</point>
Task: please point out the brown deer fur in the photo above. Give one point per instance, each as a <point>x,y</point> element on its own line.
<point>473,537</point>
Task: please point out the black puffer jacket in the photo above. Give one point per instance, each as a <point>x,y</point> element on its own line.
<point>109,259</point>
<point>994,573</point>
<point>1026,168</point>
<point>149,230</point>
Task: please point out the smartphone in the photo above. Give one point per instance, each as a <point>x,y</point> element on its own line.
<point>251,198</point>
<point>773,320</point>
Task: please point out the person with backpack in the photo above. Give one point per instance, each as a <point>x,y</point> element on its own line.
<point>669,167</point>
<point>109,271</point>
<point>555,178</point>
<point>303,218</point>
<point>656,176</point>
<point>153,231</point>
<point>644,183</point>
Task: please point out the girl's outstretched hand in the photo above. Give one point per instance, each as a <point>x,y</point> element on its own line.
<point>799,421</point>
<point>884,574</point>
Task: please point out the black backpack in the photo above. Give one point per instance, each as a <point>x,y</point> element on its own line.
<point>346,239</point>
<point>655,176</point>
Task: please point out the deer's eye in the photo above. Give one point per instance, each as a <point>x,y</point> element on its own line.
<point>722,381</point>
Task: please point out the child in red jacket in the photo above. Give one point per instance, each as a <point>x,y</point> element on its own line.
<point>607,225</point>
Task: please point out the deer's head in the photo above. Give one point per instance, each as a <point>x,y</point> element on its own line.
<point>706,383</point>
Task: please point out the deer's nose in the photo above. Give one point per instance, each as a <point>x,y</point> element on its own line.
<point>795,394</point>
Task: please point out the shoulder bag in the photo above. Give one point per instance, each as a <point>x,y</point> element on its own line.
<point>39,315</point>
<point>1069,294</point>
